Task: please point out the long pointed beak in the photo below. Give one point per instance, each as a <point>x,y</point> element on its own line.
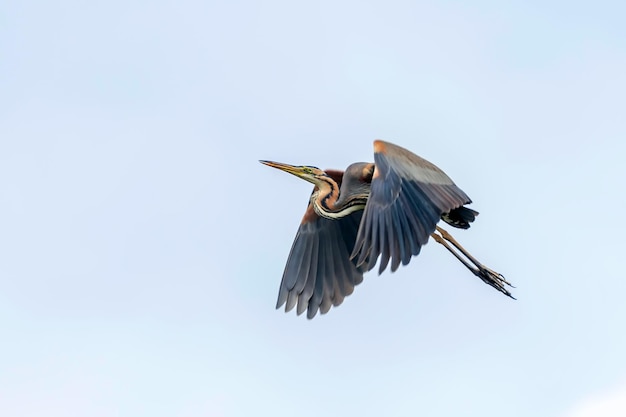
<point>297,171</point>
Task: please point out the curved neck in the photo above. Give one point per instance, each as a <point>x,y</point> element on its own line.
<point>324,200</point>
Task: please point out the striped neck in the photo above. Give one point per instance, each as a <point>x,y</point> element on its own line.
<point>325,198</point>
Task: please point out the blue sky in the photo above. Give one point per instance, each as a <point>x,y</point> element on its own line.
<point>142,244</point>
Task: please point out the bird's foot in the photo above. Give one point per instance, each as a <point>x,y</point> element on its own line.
<point>494,279</point>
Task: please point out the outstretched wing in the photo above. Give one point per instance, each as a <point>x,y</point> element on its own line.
<point>319,272</point>
<point>408,196</point>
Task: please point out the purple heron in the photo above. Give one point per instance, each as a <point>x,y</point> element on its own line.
<point>387,209</point>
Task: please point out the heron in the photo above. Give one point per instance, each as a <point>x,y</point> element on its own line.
<point>383,212</point>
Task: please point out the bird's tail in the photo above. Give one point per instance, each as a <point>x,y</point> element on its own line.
<point>460,217</point>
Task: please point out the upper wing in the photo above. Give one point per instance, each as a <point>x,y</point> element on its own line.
<point>319,272</point>
<point>408,196</point>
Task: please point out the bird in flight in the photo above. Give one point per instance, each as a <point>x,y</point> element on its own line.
<point>387,209</point>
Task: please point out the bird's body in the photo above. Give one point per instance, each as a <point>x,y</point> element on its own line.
<point>387,209</point>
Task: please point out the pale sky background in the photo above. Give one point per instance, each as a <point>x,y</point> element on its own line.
<point>142,244</point>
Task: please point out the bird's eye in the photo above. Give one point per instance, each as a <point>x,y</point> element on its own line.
<point>307,170</point>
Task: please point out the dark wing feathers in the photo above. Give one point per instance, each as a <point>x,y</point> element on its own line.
<point>319,272</point>
<point>408,197</point>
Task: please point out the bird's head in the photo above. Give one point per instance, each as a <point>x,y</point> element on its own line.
<point>313,175</point>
